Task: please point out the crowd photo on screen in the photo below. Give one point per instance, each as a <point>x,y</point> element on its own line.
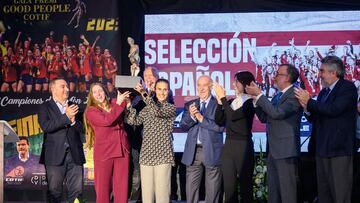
<point>28,66</point>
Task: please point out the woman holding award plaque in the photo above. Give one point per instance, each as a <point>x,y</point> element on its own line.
<point>105,132</point>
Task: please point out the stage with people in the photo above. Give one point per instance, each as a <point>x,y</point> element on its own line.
<point>180,101</point>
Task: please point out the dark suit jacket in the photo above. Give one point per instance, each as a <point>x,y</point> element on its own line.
<point>57,128</point>
<point>283,124</point>
<point>334,121</point>
<point>135,132</point>
<point>211,133</point>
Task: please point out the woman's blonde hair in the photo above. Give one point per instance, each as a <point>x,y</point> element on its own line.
<point>91,102</point>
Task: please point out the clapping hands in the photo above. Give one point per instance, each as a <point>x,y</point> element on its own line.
<point>219,92</point>
<point>303,96</point>
<point>253,89</point>
<point>71,112</point>
<point>194,112</point>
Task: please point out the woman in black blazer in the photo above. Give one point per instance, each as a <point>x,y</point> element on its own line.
<point>238,153</point>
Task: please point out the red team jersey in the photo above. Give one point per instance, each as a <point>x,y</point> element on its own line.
<point>98,65</point>
<point>26,66</point>
<point>55,69</point>
<point>110,65</point>
<point>9,73</point>
<point>40,63</point>
<point>84,61</point>
<point>72,64</point>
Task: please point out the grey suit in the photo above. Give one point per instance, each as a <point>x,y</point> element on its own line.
<point>283,135</point>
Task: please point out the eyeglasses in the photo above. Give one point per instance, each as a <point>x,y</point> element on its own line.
<point>280,74</point>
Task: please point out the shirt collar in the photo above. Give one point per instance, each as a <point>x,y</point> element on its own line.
<point>331,87</point>
<point>286,89</point>
<point>206,100</point>
<point>61,107</point>
<point>27,157</point>
<point>59,104</point>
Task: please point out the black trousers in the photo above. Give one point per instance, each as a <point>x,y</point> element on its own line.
<point>69,172</point>
<point>238,166</point>
<point>334,178</point>
<point>356,185</point>
<point>135,182</point>
<point>178,169</point>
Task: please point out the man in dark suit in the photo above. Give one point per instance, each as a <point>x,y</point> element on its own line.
<point>62,151</point>
<point>333,116</point>
<point>135,140</point>
<point>203,145</point>
<point>282,116</point>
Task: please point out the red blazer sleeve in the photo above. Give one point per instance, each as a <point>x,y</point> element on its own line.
<point>102,118</point>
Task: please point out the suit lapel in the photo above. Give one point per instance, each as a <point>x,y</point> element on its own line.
<point>321,94</point>
<point>286,94</point>
<point>197,103</point>
<point>333,91</point>
<point>210,105</point>
<point>54,107</point>
<point>331,94</point>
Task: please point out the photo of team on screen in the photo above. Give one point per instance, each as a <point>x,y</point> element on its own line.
<point>307,60</point>
<point>28,66</point>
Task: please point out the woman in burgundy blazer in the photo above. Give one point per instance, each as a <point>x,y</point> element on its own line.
<point>105,132</point>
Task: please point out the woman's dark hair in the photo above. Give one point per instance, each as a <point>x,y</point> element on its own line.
<point>170,98</point>
<point>245,78</point>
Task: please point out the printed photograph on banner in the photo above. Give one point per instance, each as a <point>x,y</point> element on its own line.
<point>72,39</point>
<point>21,167</point>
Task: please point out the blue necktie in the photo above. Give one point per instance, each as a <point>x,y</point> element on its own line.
<point>202,108</point>
<point>325,95</point>
<point>276,98</point>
